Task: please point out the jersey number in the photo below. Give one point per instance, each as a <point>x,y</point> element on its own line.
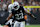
<point>19,16</point>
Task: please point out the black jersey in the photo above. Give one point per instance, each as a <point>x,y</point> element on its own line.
<point>19,14</point>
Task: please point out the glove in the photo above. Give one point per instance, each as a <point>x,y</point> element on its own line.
<point>34,17</point>
<point>5,22</point>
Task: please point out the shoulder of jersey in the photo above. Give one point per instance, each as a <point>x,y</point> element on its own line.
<point>10,5</point>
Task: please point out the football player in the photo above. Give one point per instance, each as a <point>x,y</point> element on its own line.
<point>9,10</point>
<point>18,13</point>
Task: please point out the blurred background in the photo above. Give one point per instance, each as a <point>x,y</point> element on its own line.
<point>36,11</point>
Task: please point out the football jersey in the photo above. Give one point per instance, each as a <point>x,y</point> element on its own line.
<point>18,14</point>
<point>10,8</point>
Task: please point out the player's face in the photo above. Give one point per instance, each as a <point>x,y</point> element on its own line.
<point>15,7</point>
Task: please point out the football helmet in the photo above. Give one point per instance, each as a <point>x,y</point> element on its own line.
<point>16,5</point>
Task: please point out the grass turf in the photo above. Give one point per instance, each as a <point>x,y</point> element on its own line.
<point>29,26</point>
<point>32,25</point>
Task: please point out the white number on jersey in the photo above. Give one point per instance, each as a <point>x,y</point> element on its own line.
<point>19,16</point>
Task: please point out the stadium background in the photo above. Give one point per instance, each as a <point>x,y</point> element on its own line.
<point>36,11</point>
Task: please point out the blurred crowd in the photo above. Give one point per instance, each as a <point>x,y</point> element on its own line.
<point>4,4</point>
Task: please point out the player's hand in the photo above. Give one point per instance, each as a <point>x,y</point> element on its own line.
<point>34,17</point>
<point>5,26</point>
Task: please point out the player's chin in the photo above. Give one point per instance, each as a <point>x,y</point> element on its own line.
<point>5,26</point>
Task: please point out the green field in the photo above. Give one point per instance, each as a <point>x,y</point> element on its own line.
<point>32,25</point>
<point>29,26</point>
